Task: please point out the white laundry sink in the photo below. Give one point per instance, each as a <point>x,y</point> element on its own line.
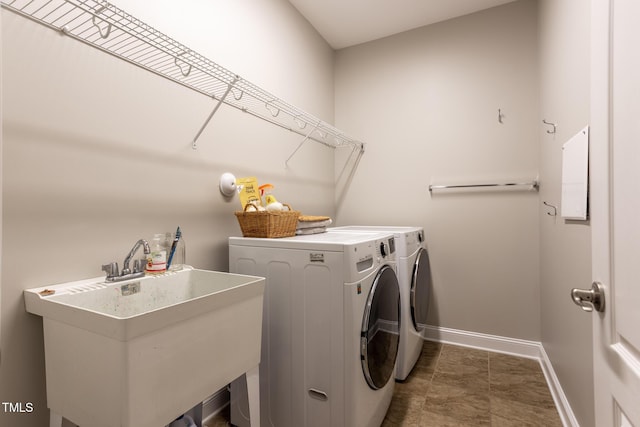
<point>143,351</point>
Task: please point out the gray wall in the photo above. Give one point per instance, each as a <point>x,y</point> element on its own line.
<point>426,102</point>
<point>97,153</point>
<point>565,247</point>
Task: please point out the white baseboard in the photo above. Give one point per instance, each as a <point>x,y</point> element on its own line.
<point>514,347</point>
<point>566,414</point>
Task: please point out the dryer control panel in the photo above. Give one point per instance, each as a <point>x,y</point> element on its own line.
<point>415,238</point>
<point>386,247</point>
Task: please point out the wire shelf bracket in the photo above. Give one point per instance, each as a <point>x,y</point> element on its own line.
<point>194,144</point>
<point>104,26</point>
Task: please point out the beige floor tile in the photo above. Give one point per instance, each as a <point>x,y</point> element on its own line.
<point>453,419</point>
<point>527,392</point>
<point>435,420</point>
<point>426,364</point>
<point>463,361</point>
<point>453,352</point>
<point>413,386</point>
<point>461,404</point>
<point>505,364</point>
<point>519,380</point>
<point>473,383</point>
<point>506,413</point>
<point>404,411</point>
<point>463,368</point>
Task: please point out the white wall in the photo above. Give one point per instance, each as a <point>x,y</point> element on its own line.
<point>426,102</point>
<point>97,153</point>
<point>565,246</point>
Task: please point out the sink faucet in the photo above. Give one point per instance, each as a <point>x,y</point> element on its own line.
<point>138,267</point>
<point>147,251</point>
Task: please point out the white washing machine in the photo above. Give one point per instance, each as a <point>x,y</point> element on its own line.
<point>414,276</point>
<point>330,328</point>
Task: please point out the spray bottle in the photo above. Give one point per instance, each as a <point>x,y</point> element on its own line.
<point>270,201</point>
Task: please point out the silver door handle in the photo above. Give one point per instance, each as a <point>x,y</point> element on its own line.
<point>589,299</point>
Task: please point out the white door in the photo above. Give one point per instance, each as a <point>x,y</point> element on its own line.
<point>615,208</point>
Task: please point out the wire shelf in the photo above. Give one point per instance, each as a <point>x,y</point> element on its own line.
<point>112,30</point>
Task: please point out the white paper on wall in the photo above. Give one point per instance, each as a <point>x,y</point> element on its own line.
<point>575,176</point>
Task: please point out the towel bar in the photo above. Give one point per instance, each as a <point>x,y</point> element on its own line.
<point>533,184</point>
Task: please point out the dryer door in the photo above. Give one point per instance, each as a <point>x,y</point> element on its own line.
<point>380,327</point>
<point>420,288</point>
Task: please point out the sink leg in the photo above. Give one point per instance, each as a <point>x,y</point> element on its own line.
<point>253,392</point>
<point>55,419</point>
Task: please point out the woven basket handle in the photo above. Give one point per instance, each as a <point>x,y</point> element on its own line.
<point>250,204</point>
<point>256,207</point>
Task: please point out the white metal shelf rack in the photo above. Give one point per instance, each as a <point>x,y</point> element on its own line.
<point>112,30</point>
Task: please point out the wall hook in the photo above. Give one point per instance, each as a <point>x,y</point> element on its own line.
<point>238,97</point>
<point>550,124</point>
<point>272,109</point>
<point>323,135</point>
<point>106,33</point>
<point>301,124</point>
<point>555,209</point>
<point>500,116</point>
<point>184,70</point>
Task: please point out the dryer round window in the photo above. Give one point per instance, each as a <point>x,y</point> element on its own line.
<point>380,329</point>
<point>420,288</point>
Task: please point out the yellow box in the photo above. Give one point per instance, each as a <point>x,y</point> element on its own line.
<point>249,192</point>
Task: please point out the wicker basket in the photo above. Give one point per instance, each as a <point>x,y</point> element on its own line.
<point>268,224</point>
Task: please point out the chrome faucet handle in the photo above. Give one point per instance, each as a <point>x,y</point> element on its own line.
<point>111,269</point>
<point>139,264</point>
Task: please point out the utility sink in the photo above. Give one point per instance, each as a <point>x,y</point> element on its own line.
<point>142,352</point>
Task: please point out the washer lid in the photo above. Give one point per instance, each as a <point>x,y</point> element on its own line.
<point>322,241</point>
<point>380,329</point>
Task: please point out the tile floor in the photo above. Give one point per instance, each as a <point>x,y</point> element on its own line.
<point>453,386</point>
<point>457,386</point>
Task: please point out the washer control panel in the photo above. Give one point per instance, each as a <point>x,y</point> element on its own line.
<point>365,256</point>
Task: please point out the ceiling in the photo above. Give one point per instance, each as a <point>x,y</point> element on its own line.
<point>345,23</point>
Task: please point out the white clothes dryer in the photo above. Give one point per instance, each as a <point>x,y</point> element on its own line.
<point>330,328</point>
<point>414,276</point>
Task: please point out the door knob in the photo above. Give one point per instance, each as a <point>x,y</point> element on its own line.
<point>588,299</point>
